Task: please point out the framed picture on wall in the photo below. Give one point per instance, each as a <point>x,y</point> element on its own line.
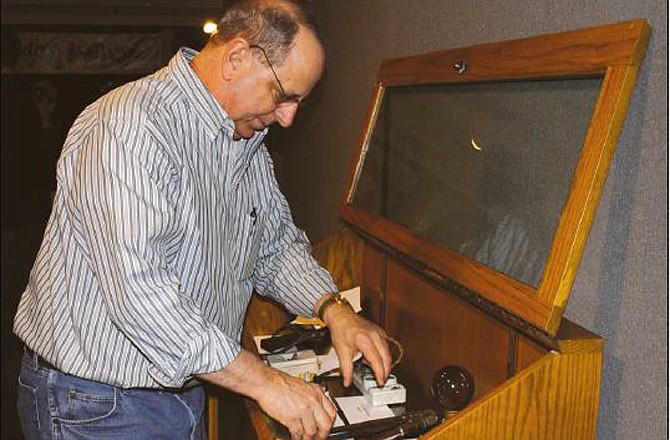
<point>89,53</point>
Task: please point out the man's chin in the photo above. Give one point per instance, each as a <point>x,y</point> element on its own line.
<point>243,134</point>
<point>247,132</point>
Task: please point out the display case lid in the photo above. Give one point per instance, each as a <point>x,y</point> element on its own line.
<point>482,166</point>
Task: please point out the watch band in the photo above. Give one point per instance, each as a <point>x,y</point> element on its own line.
<point>335,299</point>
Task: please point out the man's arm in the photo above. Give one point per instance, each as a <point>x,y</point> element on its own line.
<point>285,269</point>
<point>300,406</point>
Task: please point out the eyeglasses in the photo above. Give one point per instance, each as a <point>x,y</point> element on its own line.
<point>283,98</point>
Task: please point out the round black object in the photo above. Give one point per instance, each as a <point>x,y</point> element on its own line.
<point>453,387</point>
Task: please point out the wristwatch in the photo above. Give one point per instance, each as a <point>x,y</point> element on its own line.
<point>334,299</point>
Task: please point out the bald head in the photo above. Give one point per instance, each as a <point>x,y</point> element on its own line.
<point>270,24</point>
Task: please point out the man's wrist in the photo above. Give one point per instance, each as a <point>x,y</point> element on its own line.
<point>330,301</point>
<point>247,374</point>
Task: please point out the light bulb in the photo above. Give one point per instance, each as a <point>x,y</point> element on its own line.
<point>209,27</point>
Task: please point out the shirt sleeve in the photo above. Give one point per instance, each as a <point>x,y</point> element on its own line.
<point>285,269</point>
<point>128,223</point>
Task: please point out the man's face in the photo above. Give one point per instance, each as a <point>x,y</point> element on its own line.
<point>259,99</point>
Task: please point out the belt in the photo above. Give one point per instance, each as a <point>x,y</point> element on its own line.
<point>41,362</point>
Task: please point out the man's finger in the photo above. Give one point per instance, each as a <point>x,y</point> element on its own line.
<point>324,422</point>
<point>374,357</point>
<point>329,406</point>
<point>295,429</point>
<point>378,368</point>
<point>346,365</point>
<point>385,353</point>
<point>309,425</point>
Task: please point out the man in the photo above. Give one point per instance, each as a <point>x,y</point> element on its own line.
<point>166,216</point>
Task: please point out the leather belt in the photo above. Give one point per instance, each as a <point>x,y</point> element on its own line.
<point>41,362</point>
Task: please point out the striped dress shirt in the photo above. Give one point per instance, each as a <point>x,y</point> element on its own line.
<point>162,226</point>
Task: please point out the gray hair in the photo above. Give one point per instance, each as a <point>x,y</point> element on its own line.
<point>269,24</point>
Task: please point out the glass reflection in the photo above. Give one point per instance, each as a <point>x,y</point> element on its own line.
<point>482,169</point>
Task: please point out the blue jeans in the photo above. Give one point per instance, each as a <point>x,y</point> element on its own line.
<point>56,405</point>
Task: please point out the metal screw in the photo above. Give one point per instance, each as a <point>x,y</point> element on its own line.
<point>460,67</point>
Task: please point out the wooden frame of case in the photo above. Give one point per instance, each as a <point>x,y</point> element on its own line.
<point>614,52</point>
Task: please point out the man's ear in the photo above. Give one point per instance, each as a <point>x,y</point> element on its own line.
<point>236,58</point>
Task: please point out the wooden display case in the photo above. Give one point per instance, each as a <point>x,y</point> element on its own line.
<point>474,187</point>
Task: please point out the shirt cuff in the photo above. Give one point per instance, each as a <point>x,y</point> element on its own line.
<point>210,352</point>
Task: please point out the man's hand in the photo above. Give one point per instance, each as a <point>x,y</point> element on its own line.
<point>300,406</point>
<point>351,334</point>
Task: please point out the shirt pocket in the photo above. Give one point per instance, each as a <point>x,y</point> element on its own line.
<point>250,243</point>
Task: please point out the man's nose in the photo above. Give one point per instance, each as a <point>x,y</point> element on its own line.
<point>286,113</point>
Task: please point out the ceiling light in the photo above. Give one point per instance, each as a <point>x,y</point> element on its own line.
<point>209,27</point>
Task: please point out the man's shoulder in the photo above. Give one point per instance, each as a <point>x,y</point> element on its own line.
<point>141,99</point>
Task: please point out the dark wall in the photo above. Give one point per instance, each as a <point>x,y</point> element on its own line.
<point>621,287</point>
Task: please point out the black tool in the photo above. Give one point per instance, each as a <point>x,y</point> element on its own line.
<point>411,422</point>
<point>411,427</point>
<point>299,336</point>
